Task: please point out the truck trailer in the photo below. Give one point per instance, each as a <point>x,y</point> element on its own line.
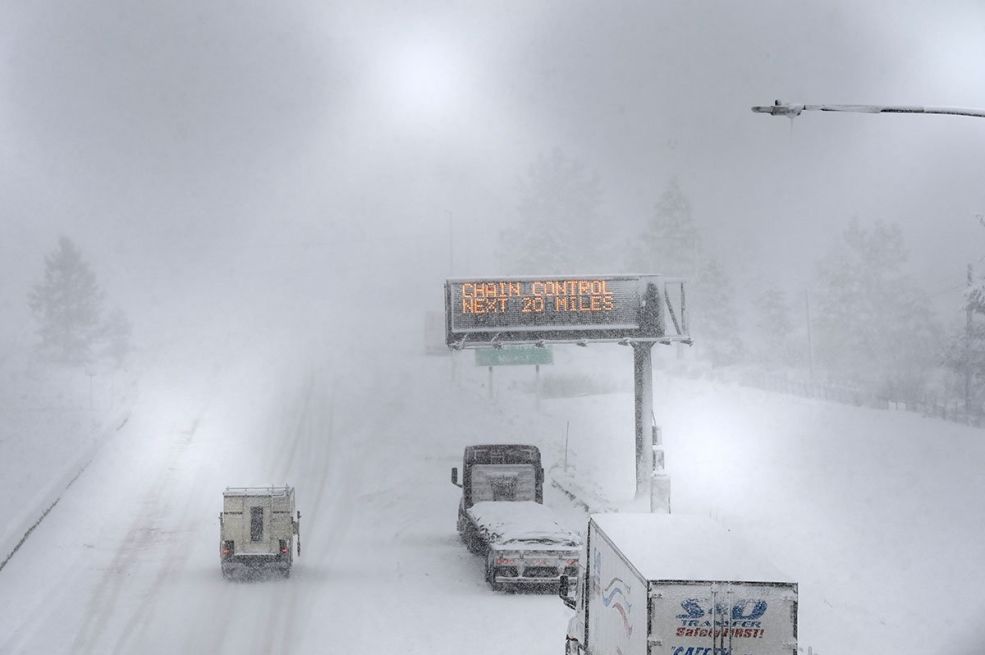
<point>257,527</point>
<point>501,516</point>
<point>661,584</point>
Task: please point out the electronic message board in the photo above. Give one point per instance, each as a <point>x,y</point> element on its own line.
<point>484,311</point>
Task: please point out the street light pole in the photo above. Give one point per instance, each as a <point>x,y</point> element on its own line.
<point>792,111</point>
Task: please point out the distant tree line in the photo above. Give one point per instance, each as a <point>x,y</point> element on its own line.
<point>964,353</point>
<point>871,324</point>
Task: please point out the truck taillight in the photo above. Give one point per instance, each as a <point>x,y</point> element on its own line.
<point>504,561</point>
<point>284,547</point>
<point>226,549</point>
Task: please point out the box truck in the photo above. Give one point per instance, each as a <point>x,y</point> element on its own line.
<point>663,584</point>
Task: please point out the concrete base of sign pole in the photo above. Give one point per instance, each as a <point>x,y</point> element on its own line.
<point>660,494</point>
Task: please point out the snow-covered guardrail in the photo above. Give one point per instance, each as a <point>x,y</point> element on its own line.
<point>585,495</point>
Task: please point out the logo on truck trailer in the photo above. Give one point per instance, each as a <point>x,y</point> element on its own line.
<point>616,596</point>
<point>718,620</point>
<point>693,610</point>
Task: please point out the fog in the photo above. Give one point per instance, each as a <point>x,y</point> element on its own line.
<point>207,150</point>
<point>274,193</point>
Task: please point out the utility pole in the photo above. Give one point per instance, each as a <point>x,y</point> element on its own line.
<point>810,334</point>
<point>91,374</point>
<point>967,348</point>
<point>453,355</point>
<point>451,246</point>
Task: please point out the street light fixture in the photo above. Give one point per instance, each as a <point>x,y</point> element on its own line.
<point>791,111</point>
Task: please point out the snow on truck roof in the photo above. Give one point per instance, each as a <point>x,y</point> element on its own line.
<point>682,547</point>
<point>516,521</point>
<point>269,490</point>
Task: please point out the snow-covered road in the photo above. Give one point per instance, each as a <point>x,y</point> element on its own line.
<point>874,513</point>
<point>128,560</point>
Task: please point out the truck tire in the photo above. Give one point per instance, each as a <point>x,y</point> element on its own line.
<point>490,578</point>
<point>472,541</point>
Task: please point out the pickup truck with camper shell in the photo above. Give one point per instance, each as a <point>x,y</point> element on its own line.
<point>257,528</point>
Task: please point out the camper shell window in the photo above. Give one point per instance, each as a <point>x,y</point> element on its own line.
<point>256,524</point>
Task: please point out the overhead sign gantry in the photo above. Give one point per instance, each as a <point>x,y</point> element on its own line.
<point>633,310</point>
<point>483,312</point>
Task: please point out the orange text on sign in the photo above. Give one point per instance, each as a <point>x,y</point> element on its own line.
<point>536,297</point>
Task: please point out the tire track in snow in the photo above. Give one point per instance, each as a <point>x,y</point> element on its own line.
<point>315,463</point>
<point>103,602</point>
<point>334,455</point>
<point>175,559</point>
<point>267,619</point>
<point>276,629</point>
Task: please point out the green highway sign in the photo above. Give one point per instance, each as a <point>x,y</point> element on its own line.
<point>513,356</point>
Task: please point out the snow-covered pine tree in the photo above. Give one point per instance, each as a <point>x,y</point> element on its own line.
<point>873,323</point>
<point>115,337</point>
<point>558,229</point>
<point>714,317</point>
<point>670,242</point>
<point>963,353</point>
<point>774,342</point>
<point>67,305</point>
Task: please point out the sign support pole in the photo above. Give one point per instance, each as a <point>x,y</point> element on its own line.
<point>490,383</point>
<point>643,403</point>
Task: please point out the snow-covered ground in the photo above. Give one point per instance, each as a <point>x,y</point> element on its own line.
<point>876,514</point>
<point>128,560</point>
<point>53,424</point>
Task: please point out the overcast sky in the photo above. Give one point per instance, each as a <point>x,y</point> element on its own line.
<point>182,143</point>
